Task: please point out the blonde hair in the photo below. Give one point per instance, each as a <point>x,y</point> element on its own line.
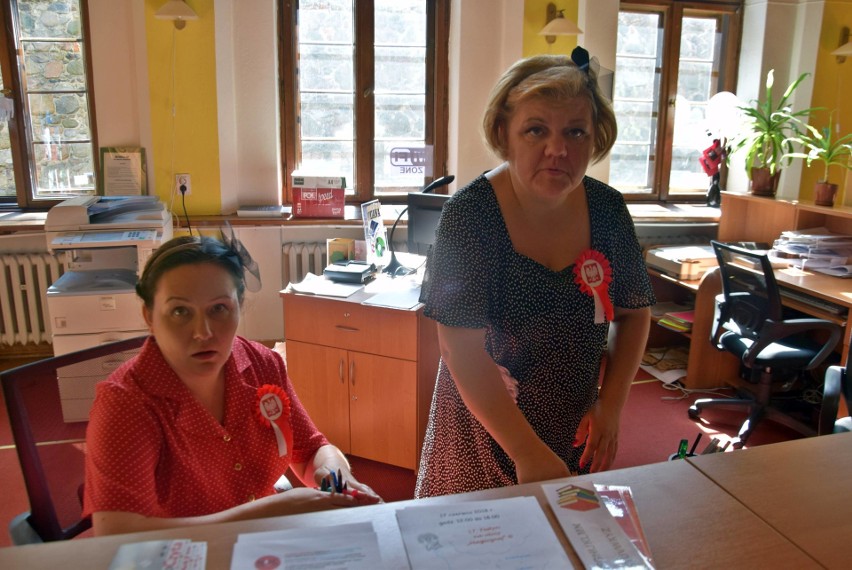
<point>553,78</point>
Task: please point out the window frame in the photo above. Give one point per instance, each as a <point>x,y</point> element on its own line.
<point>19,126</point>
<point>672,13</point>
<point>437,105</point>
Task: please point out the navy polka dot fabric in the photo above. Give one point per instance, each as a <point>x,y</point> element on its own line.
<point>539,326</point>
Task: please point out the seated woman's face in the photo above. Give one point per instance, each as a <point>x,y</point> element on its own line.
<point>194,318</point>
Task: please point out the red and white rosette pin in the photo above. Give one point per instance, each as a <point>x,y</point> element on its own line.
<point>273,409</point>
<point>593,273</point>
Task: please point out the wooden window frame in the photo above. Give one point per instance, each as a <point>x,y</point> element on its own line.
<point>437,105</point>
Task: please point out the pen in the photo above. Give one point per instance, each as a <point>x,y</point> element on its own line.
<point>695,444</point>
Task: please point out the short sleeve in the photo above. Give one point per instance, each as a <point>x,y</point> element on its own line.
<point>455,286</point>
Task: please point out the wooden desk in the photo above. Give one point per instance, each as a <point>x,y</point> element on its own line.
<point>801,488</point>
<point>364,373</point>
<point>689,521</point>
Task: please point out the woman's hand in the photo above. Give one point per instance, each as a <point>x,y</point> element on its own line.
<point>599,429</point>
<point>343,482</point>
<point>540,465</point>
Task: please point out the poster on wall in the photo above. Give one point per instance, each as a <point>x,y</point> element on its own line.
<point>123,171</point>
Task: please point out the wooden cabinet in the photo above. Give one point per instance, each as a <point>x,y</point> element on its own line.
<point>365,374</point>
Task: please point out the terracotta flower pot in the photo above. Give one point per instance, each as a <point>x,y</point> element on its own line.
<point>824,193</point>
<point>763,183</point>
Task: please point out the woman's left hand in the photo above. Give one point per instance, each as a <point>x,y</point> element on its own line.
<point>351,486</point>
<point>599,429</point>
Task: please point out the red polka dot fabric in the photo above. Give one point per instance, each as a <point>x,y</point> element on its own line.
<point>154,450</point>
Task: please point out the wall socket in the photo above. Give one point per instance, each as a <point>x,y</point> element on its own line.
<point>183,180</point>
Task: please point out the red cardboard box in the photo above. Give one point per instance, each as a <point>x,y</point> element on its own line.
<point>318,202</point>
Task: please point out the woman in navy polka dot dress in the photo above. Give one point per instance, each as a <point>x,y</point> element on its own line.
<point>539,290</point>
<point>201,424</point>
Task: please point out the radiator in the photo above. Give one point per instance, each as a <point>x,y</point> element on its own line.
<point>301,258</point>
<point>24,279</point>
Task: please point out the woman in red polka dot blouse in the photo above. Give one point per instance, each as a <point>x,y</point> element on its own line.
<point>200,426</point>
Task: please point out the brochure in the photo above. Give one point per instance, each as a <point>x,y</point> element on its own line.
<point>374,233</point>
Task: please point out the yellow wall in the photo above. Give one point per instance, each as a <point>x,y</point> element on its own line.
<point>832,90</point>
<point>188,141</point>
<point>535,17</point>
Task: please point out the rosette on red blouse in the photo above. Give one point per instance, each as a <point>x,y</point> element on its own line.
<point>273,409</point>
<point>593,273</point>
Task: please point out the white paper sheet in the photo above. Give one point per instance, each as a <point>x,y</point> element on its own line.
<point>504,533</point>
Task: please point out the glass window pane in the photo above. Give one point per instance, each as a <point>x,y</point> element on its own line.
<point>326,21</point>
<point>327,116</point>
<point>326,68</point>
<point>400,22</point>
<point>7,167</point>
<point>329,157</point>
<point>54,66</point>
<point>64,169</point>
<point>697,71</point>
<point>49,19</point>
<point>400,94</point>
<point>58,118</point>
<point>636,100</point>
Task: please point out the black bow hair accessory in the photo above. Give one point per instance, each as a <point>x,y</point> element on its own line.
<point>251,270</point>
<point>597,74</point>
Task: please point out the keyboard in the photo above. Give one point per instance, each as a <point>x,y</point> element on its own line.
<point>816,302</point>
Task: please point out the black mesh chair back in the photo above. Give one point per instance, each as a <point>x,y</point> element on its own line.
<point>51,450</point>
<point>750,290</point>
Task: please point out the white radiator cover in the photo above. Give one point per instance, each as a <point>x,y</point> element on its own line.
<point>24,279</point>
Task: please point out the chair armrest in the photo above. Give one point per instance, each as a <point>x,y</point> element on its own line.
<point>830,399</point>
<point>773,331</point>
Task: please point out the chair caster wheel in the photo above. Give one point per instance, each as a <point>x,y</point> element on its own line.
<point>737,444</point>
<point>693,412</point>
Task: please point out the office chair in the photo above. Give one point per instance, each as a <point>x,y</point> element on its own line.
<point>51,452</point>
<point>837,385</point>
<point>775,351</point>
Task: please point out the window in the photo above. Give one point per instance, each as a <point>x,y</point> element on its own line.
<point>47,148</point>
<point>671,58</point>
<point>368,82</point>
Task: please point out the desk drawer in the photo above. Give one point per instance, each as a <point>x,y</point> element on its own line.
<point>351,326</point>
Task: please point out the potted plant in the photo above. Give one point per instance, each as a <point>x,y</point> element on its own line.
<point>765,137</point>
<point>821,146</point>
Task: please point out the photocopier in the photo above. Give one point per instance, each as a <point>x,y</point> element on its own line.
<point>106,241</point>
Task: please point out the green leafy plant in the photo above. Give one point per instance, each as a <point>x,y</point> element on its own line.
<point>765,137</point>
<point>820,146</point>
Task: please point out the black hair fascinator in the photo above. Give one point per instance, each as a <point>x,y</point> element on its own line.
<point>251,270</point>
<point>601,75</point>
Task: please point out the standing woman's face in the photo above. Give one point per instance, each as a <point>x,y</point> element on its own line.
<point>194,318</point>
<point>550,146</point>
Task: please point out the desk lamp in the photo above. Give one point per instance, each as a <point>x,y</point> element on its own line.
<point>394,267</point>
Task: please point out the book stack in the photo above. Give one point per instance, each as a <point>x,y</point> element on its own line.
<point>680,321</point>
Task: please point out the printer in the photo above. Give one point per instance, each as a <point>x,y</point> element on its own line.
<point>106,241</point>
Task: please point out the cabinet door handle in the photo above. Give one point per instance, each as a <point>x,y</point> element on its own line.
<point>340,371</point>
<point>344,328</point>
<point>352,372</point>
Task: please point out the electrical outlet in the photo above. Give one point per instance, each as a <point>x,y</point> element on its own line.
<point>183,184</point>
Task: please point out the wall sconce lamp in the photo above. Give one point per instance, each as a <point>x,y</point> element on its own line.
<point>177,11</point>
<point>845,46</point>
<point>558,25</point>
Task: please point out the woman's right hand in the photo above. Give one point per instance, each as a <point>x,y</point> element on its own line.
<point>540,465</point>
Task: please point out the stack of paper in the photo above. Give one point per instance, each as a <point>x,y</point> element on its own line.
<point>814,248</point>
